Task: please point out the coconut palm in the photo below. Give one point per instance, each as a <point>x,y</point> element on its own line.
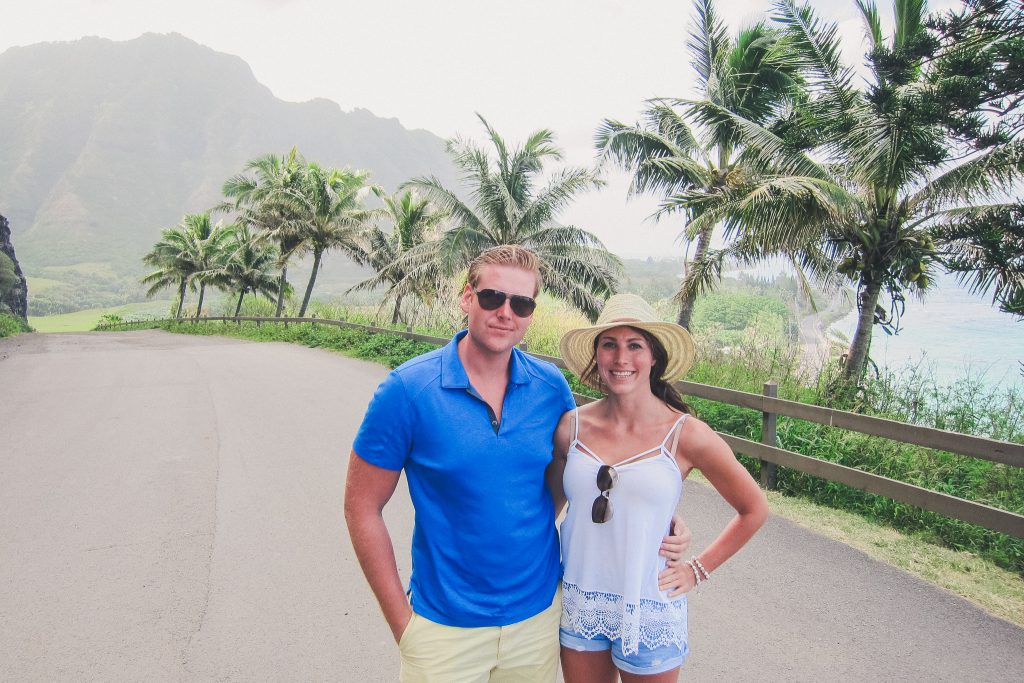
<point>413,223</point>
<point>249,266</point>
<point>187,255</point>
<point>256,194</point>
<point>753,77</point>
<point>172,270</point>
<point>884,191</point>
<point>510,205</point>
<point>326,211</point>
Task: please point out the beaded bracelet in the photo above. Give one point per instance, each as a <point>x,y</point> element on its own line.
<point>701,567</point>
<point>696,574</point>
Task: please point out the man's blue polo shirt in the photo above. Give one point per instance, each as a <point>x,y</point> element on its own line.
<point>484,548</point>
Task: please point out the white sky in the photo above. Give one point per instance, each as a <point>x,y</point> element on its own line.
<point>523,65</point>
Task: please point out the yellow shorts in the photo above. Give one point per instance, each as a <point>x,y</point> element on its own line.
<point>524,652</point>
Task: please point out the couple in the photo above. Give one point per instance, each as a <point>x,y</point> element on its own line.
<point>473,424</point>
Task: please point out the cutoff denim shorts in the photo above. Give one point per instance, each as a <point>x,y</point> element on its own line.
<point>644,661</point>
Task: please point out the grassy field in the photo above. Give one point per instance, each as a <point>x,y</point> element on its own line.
<point>82,321</point>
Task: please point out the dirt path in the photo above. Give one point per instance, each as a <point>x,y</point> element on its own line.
<point>170,510</point>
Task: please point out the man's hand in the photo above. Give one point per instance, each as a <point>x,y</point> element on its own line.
<point>677,578</point>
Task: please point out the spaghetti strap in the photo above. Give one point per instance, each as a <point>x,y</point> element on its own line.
<point>576,424</point>
<point>677,428</point>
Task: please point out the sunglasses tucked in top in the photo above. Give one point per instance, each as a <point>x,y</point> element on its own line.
<point>491,299</point>
<point>601,512</point>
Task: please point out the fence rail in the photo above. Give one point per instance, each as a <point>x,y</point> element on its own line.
<point>768,452</point>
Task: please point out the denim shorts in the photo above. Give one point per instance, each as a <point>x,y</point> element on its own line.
<point>644,661</point>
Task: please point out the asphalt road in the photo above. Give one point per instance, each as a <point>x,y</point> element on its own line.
<point>170,510</point>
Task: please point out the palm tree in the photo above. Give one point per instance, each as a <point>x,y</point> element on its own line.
<point>172,270</point>
<point>248,266</point>
<point>187,254</point>
<point>752,77</point>
<point>884,206</point>
<point>207,250</point>
<point>257,193</point>
<point>413,224</point>
<point>326,207</point>
<point>510,206</point>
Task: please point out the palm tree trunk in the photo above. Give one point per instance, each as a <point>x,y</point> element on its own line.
<point>398,310</point>
<point>686,304</point>
<point>181,298</point>
<point>281,286</point>
<point>202,293</point>
<point>317,255</point>
<point>239,306</point>
<point>857,355</point>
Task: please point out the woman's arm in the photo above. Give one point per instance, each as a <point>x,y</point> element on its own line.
<point>701,448</point>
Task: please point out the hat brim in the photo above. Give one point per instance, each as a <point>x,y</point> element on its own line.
<point>577,347</point>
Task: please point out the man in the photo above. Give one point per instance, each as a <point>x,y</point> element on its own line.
<point>472,425</point>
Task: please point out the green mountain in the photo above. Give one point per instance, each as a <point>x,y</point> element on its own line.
<point>104,143</point>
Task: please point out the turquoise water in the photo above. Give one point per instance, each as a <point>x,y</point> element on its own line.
<point>955,334</point>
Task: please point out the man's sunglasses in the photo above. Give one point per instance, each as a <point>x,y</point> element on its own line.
<point>601,512</point>
<point>491,299</point>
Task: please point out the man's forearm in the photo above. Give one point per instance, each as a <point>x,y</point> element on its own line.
<point>376,555</point>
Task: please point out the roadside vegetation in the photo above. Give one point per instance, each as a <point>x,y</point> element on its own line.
<point>11,325</point>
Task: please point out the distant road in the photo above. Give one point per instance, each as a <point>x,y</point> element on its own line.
<point>170,510</point>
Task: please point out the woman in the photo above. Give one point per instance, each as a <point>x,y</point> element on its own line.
<point>622,461</point>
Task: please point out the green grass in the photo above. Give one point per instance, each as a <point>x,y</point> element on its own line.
<point>37,285</point>
<point>386,349</point>
<point>82,321</point>
<point>10,326</point>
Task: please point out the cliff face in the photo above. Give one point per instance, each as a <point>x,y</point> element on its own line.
<point>13,287</point>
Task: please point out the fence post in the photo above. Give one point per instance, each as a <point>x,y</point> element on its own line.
<point>769,470</point>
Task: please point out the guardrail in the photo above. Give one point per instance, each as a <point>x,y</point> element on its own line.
<point>767,451</point>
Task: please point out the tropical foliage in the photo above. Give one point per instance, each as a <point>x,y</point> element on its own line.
<point>248,266</point>
<point>881,195</point>
<point>256,194</point>
<point>413,222</point>
<point>188,255</point>
<point>511,203</point>
<point>696,172</point>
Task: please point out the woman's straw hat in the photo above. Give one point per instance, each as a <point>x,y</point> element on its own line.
<point>577,346</point>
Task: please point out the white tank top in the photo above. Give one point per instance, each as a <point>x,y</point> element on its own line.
<point>610,580</point>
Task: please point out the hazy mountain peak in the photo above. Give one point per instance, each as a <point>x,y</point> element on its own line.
<point>106,142</point>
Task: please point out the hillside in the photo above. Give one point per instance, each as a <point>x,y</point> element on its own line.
<point>104,143</point>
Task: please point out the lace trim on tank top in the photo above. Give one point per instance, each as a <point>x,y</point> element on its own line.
<point>649,623</point>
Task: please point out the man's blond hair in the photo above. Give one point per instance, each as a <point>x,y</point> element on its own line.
<point>512,255</point>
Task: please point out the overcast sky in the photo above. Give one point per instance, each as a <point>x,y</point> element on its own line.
<point>523,65</point>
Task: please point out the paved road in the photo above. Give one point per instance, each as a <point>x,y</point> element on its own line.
<point>170,510</point>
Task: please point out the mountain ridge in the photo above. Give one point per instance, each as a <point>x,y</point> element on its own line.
<point>103,143</point>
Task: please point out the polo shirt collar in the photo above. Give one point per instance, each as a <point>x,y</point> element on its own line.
<point>453,373</point>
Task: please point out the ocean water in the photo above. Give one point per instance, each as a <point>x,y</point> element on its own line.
<point>955,334</point>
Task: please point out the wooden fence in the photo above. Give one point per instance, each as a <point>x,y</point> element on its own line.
<point>768,452</point>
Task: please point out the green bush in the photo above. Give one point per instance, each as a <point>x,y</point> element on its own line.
<point>11,325</point>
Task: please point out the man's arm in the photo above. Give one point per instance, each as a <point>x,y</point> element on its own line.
<point>368,488</point>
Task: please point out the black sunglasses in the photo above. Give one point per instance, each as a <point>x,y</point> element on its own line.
<point>491,299</point>
<point>601,512</point>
